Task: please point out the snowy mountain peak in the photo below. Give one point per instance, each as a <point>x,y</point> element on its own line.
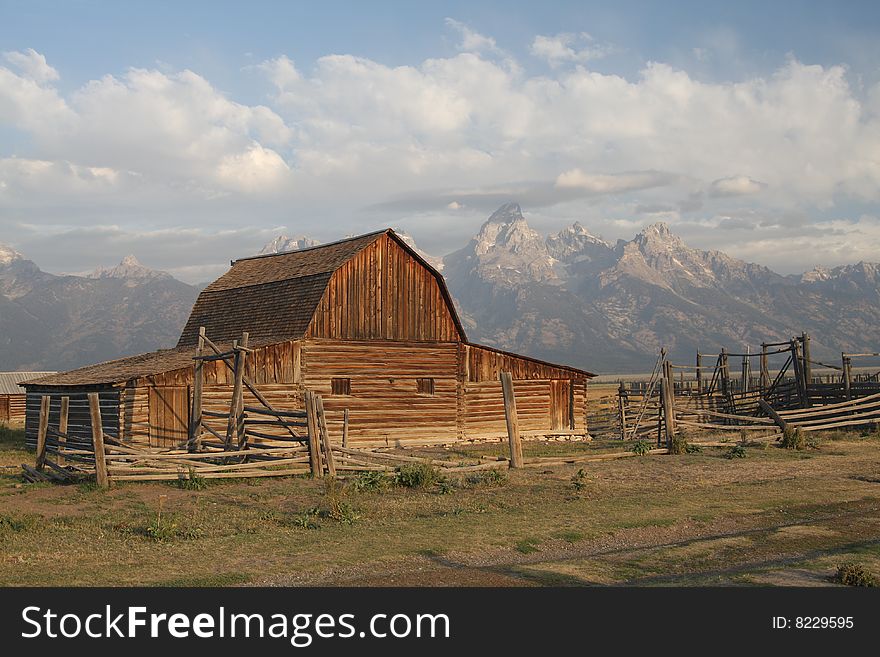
<point>8,254</point>
<point>284,243</point>
<point>128,268</point>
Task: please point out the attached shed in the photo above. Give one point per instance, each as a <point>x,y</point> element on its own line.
<point>12,396</point>
<point>366,323</point>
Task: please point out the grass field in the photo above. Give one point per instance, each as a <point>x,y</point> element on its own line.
<point>775,517</point>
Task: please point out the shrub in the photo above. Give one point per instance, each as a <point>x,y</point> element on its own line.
<point>338,509</point>
<point>488,478</point>
<point>579,480</point>
<point>693,449</point>
<point>679,444</point>
<point>735,452</point>
<point>855,574</point>
<point>641,447</point>
<point>307,520</point>
<point>792,438</point>
<point>370,481</point>
<point>162,528</point>
<point>417,475</point>
<point>191,480</point>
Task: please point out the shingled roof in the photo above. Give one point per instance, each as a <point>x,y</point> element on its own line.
<point>271,296</point>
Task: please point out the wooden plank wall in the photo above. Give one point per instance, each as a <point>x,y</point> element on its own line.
<point>13,408</point>
<point>486,364</point>
<point>384,405</point>
<point>79,418</point>
<point>383,293</point>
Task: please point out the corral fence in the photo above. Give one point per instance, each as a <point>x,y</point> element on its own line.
<point>753,400</point>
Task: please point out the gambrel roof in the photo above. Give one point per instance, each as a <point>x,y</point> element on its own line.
<point>276,295</point>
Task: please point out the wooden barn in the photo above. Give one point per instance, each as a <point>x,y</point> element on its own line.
<point>12,396</point>
<point>365,322</point>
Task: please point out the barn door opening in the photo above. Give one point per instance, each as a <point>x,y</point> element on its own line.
<point>169,416</point>
<point>560,405</point>
<point>4,408</point>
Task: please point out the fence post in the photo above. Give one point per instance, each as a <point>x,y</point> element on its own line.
<point>62,424</point>
<point>41,432</point>
<point>98,441</point>
<point>798,373</point>
<point>621,409</point>
<point>765,372</point>
<point>847,375</point>
<point>808,367</point>
<point>513,437</point>
<point>236,410</point>
<point>195,417</point>
<point>314,436</point>
<point>325,436</point>
<point>699,373</point>
<point>345,428</point>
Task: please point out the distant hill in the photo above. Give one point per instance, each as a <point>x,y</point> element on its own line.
<point>54,322</point>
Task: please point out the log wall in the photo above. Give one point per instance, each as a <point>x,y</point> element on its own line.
<point>385,406</point>
<point>13,408</point>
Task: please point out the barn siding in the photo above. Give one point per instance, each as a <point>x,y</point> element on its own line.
<point>385,407</point>
<point>13,408</point>
<point>384,293</point>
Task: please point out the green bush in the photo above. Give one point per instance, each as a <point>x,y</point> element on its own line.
<point>488,478</point>
<point>370,481</point>
<point>735,452</point>
<point>855,574</point>
<point>579,480</point>
<point>191,480</point>
<point>416,475</point>
<point>641,447</point>
<point>693,449</point>
<point>679,444</point>
<point>792,438</point>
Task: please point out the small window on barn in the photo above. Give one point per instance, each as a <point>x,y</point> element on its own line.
<point>425,386</point>
<point>340,386</point>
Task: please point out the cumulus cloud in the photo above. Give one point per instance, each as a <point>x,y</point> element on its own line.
<point>32,65</point>
<point>472,41</point>
<point>566,47</point>
<point>735,186</point>
<point>360,142</point>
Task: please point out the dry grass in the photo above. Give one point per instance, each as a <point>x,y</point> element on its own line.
<point>694,518</point>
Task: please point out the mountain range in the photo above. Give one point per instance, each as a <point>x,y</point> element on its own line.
<point>569,297</point>
<point>50,322</point>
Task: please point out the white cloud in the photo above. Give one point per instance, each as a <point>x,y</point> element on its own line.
<point>32,65</point>
<point>344,133</point>
<point>566,47</point>
<point>472,41</point>
<point>735,186</point>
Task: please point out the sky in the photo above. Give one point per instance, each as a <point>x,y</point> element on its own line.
<point>193,133</point>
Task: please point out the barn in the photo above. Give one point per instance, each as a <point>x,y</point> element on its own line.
<point>12,396</point>
<point>365,322</point>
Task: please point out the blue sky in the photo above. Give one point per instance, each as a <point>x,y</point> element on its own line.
<point>141,126</point>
